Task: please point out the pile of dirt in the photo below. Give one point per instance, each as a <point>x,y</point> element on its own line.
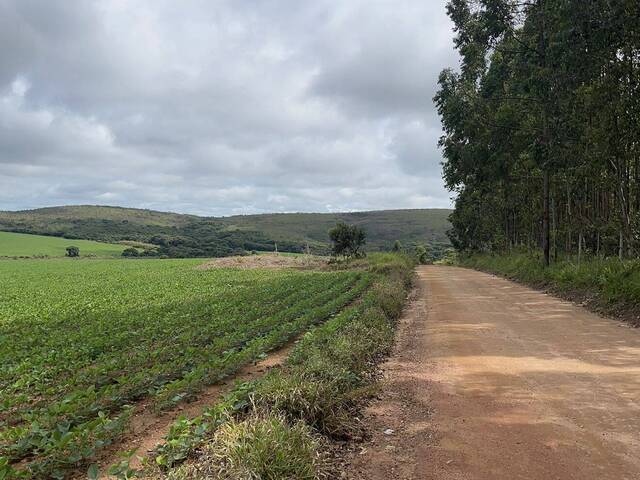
<point>268,261</point>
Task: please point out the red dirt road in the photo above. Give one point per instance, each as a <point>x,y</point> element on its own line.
<point>492,380</point>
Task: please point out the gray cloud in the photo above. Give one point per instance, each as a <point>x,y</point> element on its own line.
<point>221,107</point>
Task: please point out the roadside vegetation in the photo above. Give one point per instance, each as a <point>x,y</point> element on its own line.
<point>82,341</point>
<point>281,425</point>
<point>607,285</point>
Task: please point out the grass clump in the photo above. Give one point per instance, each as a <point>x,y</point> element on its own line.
<point>260,447</point>
<point>298,395</point>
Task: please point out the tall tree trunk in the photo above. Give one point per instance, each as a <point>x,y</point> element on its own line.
<point>545,219</point>
<point>579,247</point>
<point>621,246</point>
<point>554,227</point>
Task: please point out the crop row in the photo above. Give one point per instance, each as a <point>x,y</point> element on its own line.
<point>80,341</point>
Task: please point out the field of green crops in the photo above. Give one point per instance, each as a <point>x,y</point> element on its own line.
<point>23,245</point>
<point>81,341</point>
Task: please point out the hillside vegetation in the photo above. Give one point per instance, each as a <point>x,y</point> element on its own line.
<point>23,245</point>
<point>179,235</point>
<point>382,227</point>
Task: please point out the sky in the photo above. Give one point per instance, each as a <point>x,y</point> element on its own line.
<point>218,107</point>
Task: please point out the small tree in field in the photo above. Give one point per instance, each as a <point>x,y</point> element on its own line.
<point>348,240</point>
<point>73,251</point>
<point>397,246</point>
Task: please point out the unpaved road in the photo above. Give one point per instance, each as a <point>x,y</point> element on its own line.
<point>493,380</point>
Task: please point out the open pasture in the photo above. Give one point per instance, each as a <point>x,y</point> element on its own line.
<point>25,245</point>
<point>82,341</point>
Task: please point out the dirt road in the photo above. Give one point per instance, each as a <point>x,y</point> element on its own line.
<point>493,380</point>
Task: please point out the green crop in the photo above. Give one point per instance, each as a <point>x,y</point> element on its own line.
<point>82,341</point>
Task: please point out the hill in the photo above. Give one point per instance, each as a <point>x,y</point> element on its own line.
<point>22,245</point>
<point>179,235</point>
<point>382,227</point>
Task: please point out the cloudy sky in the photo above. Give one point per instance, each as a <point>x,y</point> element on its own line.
<point>222,107</point>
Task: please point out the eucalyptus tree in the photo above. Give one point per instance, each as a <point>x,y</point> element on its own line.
<point>541,124</point>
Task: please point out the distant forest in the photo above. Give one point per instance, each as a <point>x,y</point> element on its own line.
<point>542,126</point>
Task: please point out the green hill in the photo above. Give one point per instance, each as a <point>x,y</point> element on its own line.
<point>382,227</point>
<point>23,245</point>
<point>189,235</point>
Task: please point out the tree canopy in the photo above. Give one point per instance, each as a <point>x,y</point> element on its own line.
<point>542,125</point>
<point>347,240</point>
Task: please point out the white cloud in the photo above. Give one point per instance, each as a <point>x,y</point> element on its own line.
<point>219,107</point>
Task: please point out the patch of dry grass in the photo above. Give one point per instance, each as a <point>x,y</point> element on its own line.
<point>270,261</point>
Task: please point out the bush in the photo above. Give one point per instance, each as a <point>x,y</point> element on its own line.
<point>422,255</point>
<point>130,252</point>
<point>73,251</point>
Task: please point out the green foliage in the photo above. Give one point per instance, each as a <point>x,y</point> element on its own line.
<point>79,341</point>
<point>397,246</point>
<point>72,251</point>
<point>22,245</point>
<point>347,240</point>
<point>323,383</point>
<point>122,470</point>
<point>186,434</point>
<point>541,126</point>
<point>130,252</point>
<point>422,255</point>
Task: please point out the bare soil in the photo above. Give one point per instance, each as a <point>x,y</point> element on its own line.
<point>271,261</point>
<point>492,380</point>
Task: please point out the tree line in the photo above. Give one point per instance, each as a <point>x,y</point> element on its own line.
<point>541,126</point>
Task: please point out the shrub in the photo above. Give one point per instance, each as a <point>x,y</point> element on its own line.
<point>73,251</point>
<point>130,252</point>
<point>390,298</point>
<point>422,255</point>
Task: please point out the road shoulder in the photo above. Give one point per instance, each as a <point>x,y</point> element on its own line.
<point>397,422</point>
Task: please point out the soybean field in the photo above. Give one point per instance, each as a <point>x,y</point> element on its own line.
<point>82,341</point>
